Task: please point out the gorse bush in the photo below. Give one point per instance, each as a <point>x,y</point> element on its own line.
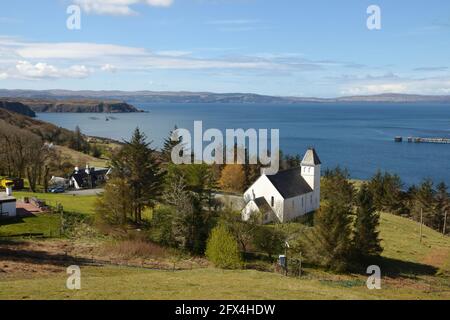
<point>222,249</point>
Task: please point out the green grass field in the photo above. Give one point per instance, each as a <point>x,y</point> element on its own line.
<point>47,224</point>
<point>413,270</point>
<point>417,270</point>
<point>79,204</point>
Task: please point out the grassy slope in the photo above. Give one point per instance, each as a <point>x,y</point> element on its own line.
<point>400,241</point>
<point>81,159</point>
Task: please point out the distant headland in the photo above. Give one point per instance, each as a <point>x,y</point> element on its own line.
<point>112,100</point>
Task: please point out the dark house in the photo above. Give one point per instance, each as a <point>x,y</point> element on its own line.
<point>88,178</point>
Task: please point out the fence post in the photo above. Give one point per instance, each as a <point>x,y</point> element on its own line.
<point>421,223</point>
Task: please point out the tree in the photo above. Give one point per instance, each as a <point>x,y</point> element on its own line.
<point>366,240</point>
<point>387,192</point>
<point>169,144</point>
<point>222,249</point>
<point>423,203</point>
<point>332,232</point>
<point>137,164</point>
<point>182,226</point>
<point>442,204</point>
<point>243,231</point>
<point>268,240</point>
<point>115,203</point>
<point>201,207</point>
<point>232,178</point>
<point>335,187</point>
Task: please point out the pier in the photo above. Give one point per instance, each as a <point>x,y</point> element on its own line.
<point>423,140</point>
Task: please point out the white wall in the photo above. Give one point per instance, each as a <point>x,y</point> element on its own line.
<point>264,188</point>
<point>8,209</point>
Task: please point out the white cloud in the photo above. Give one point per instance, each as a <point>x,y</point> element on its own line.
<point>74,50</point>
<point>109,68</point>
<point>432,86</point>
<point>117,7</point>
<point>41,70</point>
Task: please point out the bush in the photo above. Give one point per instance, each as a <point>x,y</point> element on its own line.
<point>222,249</point>
<point>268,240</point>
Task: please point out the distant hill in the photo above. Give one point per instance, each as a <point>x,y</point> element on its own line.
<point>45,130</point>
<point>67,98</point>
<point>69,105</point>
<point>17,107</point>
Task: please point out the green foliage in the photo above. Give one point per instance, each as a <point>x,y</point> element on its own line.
<point>222,249</point>
<point>387,192</point>
<point>189,189</point>
<point>268,240</point>
<point>137,165</point>
<point>336,187</point>
<point>366,240</point>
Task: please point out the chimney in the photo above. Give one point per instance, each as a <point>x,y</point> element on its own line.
<point>77,169</point>
<point>88,171</point>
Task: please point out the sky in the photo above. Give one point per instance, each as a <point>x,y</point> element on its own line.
<point>320,48</point>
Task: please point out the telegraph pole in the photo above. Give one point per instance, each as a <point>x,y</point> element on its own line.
<point>421,223</point>
<point>445,223</point>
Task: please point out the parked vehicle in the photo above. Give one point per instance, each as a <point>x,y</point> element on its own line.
<point>58,189</point>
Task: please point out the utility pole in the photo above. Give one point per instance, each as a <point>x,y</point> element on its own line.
<point>300,267</point>
<point>421,223</point>
<point>445,223</point>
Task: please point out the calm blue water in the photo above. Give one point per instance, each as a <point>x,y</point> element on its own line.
<point>358,137</point>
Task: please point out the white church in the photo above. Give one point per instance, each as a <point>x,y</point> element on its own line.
<point>286,195</point>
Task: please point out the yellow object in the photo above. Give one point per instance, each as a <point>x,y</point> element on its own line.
<point>6,182</point>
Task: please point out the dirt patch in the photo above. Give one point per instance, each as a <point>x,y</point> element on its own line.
<point>437,257</point>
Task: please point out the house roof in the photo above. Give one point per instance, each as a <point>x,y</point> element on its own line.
<point>4,198</point>
<point>311,158</point>
<point>290,183</point>
<point>263,205</point>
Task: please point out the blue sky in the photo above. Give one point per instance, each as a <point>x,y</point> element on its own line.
<point>285,47</point>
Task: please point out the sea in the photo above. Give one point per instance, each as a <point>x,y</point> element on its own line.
<point>355,136</point>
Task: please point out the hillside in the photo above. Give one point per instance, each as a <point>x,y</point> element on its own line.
<point>47,131</point>
<point>17,107</point>
<point>410,270</point>
<point>210,97</point>
<point>75,105</point>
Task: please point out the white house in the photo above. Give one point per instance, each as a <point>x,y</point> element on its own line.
<point>7,203</point>
<point>287,194</point>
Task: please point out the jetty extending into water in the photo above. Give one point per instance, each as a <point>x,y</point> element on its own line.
<point>423,140</point>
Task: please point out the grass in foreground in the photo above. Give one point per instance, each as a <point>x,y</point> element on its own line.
<point>128,283</point>
<point>418,277</point>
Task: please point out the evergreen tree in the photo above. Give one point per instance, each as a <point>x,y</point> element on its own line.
<point>169,144</point>
<point>424,203</point>
<point>442,205</point>
<point>137,164</point>
<point>333,233</point>
<point>366,240</point>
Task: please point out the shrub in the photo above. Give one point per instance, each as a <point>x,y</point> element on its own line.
<point>268,240</point>
<point>222,249</point>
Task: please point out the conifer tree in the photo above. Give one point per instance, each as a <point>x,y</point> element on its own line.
<point>366,240</point>
<point>137,164</point>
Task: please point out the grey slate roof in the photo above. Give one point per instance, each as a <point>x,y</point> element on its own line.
<point>311,158</point>
<point>263,205</point>
<point>290,183</point>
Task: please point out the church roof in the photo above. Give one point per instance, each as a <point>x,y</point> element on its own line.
<point>263,205</point>
<point>290,183</point>
<point>311,158</point>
